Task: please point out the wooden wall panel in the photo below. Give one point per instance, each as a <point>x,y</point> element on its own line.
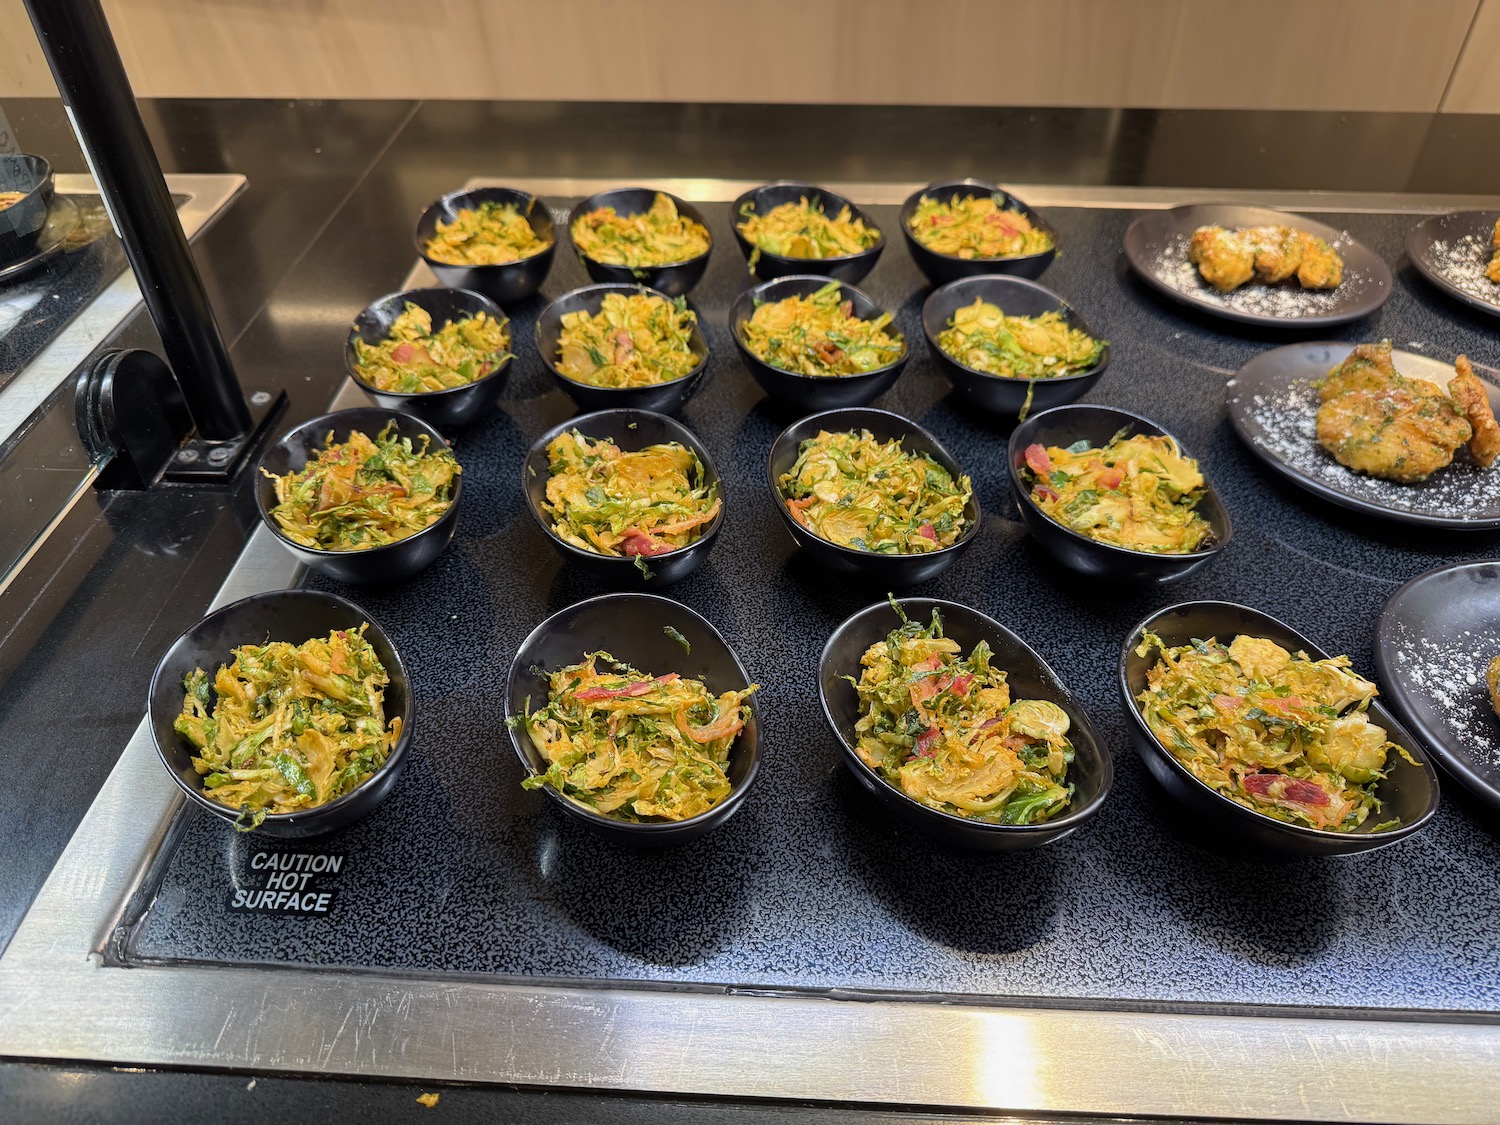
<point>1476,80</point>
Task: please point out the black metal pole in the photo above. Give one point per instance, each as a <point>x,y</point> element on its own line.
<point>86,64</point>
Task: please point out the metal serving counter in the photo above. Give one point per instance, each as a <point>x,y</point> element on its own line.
<point>810,949</point>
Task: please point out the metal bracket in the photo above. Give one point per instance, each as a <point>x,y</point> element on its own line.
<point>203,462</point>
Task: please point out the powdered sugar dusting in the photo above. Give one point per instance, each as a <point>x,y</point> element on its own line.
<point>1449,671</point>
<point>1462,262</point>
<point>1287,300</point>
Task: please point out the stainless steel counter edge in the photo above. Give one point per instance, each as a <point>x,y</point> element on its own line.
<point>59,1000</point>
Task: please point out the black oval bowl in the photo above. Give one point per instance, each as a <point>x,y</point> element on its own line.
<point>882,570</point>
<point>630,627</point>
<point>1062,427</point>
<point>675,278</point>
<point>845,267</point>
<point>278,615</point>
<point>812,392</point>
<point>630,430</point>
<point>1409,792</point>
<point>23,220</point>
<point>449,409</point>
<point>1016,296</point>
<point>1029,676</point>
<point>389,563</point>
<point>661,397</point>
<point>511,282</point>
<point>943,268</point>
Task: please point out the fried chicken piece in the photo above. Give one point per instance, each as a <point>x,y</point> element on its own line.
<point>1225,258</point>
<point>1492,678</point>
<point>1493,273</point>
<point>1469,395</point>
<point>1320,267</point>
<point>1278,252</point>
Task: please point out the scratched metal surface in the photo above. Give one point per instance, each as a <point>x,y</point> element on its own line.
<point>809,887</point>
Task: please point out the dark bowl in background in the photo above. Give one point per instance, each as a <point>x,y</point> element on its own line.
<point>448,409</point>
<point>507,284</point>
<point>675,278</point>
<point>882,570</point>
<point>943,268</point>
<point>660,397</point>
<point>278,615</point>
<point>845,267</point>
<point>1002,394</point>
<point>1029,676</point>
<point>1409,792</point>
<point>630,430</point>
<point>389,563</point>
<point>1062,427</point>
<point>631,628</point>
<point>813,392</point>
<point>23,220</point>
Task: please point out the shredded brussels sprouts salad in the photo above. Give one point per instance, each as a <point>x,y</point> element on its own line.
<point>492,234</point>
<point>977,227</point>
<point>804,230</point>
<point>819,335</point>
<point>981,336</point>
<point>634,340</point>
<point>413,358</point>
<point>658,236</point>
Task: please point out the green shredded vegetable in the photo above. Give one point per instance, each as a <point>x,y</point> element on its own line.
<point>980,336</point>
<point>804,230</point>
<point>492,234</point>
<point>413,358</point>
<point>820,335</point>
<point>977,227</point>
<point>635,340</point>
<point>659,236</point>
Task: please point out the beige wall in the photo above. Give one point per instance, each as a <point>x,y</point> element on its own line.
<point>1282,54</point>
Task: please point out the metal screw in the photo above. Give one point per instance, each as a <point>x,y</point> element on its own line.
<point>187,456</point>
<point>260,398</point>
<point>220,455</point>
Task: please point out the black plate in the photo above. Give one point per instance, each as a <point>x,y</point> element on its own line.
<point>1274,386</point>
<point>1452,251</point>
<point>1029,677</point>
<point>845,267</point>
<point>1408,791</point>
<point>630,430</point>
<point>63,217</point>
<point>631,628</point>
<point>942,268</point>
<point>1098,424</point>
<point>672,278</point>
<point>1433,642</point>
<point>278,615</point>
<point>1156,246</point>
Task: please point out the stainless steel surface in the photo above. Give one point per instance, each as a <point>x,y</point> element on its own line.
<point>61,999</point>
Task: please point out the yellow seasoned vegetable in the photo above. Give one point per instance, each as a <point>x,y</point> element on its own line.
<point>978,227</point>
<point>1277,732</point>
<point>804,230</point>
<point>942,728</point>
<point>289,727</point>
<point>635,340</point>
<point>1137,492</point>
<point>492,234</point>
<point>981,336</point>
<point>643,503</point>
<point>659,236</point>
<point>633,746</point>
<point>870,495</point>
<point>820,335</point>
<point>413,358</point>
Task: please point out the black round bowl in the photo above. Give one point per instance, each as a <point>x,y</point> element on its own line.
<point>845,267</point>
<point>675,278</point>
<point>511,282</point>
<point>884,571</point>
<point>1029,676</point>
<point>279,615</point>
<point>661,397</point>
<point>23,220</point>
<point>448,409</point>
<point>389,563</point>
<point>1097,424</point>
<point>812,392</point>
<point>630,430</point>
<point>1409,792</point>
<point>631,627</point>
<point>942,268</point>
<point>1001,394</point>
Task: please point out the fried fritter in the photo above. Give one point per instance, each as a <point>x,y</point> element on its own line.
<point>1492,678</point>
<point>1470,396</point>
<point>1493,273</point>
<point>1272,254</point>
<point>1278,252</point>
<point>1225,258</point>
<point>1321,267</point>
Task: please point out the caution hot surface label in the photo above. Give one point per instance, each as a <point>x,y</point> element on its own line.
<point>288,883</point>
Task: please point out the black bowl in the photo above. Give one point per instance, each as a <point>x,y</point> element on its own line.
<point>389,563</point>
<point>630,430</point>
<point>1029,676</point>
<point>885,571</point>
<point>812,392</point>
<point>22,221</point>
<point>631,628</point>
<point>1001,394</point>
<point>1410,792</point>
<point>942,268</point>
<point>448,409</point>
<point>278,615</point>
<point>1097,424</point>
<point>673,279</point>
<point>510,283</point>
<point>846,267</point>
<point>662,397</point>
